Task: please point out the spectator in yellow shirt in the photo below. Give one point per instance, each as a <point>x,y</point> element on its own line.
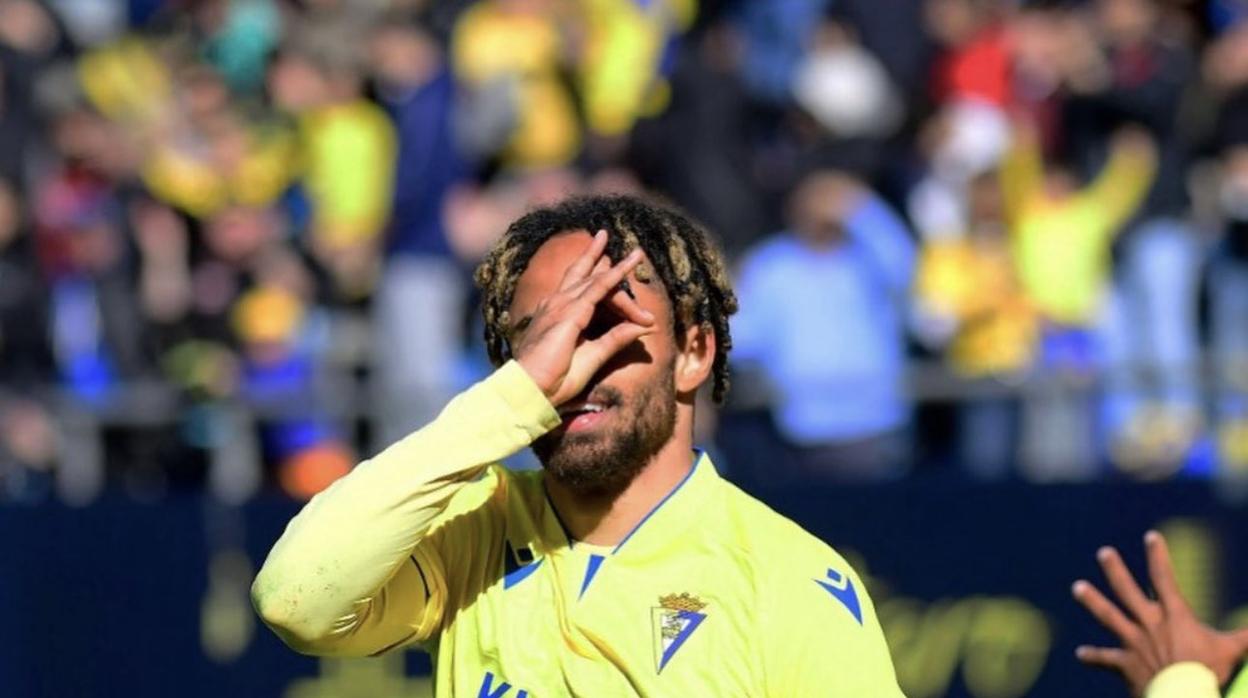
<point>621,58</point>
<point>968,286</point>
<point>1061,234</point>
<point>516,48</point>
<point>968,300</point>
<point>207,157</point>
<point>199,153</point>
<point>348,150</point>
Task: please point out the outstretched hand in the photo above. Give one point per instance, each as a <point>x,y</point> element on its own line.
<point>552,347</point>
<point>1154,633</point>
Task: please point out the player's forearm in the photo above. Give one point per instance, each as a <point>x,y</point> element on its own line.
<point>1184,680</point>
<point>344,546</point>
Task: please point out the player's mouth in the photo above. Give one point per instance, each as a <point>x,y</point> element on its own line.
<point>584,414</point>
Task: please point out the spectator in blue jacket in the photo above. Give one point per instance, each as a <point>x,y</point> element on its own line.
<point>423,290</point>
<point>822,308</point>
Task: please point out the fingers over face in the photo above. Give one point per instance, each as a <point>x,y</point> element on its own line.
<point>592,355</point>
<point>621,336</point>
<point>584,265</point>
<point>596,287</point>
<point>629,309</point>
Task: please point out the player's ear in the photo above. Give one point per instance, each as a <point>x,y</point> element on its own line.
<point>695,357</point>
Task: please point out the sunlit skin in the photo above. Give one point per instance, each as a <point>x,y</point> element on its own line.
<point>1155,632</point>
<point>580,337</point>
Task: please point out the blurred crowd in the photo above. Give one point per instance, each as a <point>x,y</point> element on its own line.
<point>1005,238</point>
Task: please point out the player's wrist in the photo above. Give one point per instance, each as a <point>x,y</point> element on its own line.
<point>541,378</point>
<point>524,397</point>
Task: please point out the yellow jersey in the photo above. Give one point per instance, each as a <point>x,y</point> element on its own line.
<point>433,542</point>
<point>1193,680</point>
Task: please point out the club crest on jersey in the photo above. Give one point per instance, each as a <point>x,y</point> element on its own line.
<point>675,619</point>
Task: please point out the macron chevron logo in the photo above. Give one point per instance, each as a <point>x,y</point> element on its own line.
<point>841,587</point>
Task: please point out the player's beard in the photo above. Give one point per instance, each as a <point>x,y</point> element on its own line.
<point>604,461</point>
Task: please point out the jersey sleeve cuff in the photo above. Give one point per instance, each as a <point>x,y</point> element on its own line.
<point>1185,679</point>
<point>526,401</point>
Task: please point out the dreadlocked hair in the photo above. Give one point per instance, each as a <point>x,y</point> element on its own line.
<point>683,255</point>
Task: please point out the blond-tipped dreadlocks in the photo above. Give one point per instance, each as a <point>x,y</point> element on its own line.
<point>683,255</point>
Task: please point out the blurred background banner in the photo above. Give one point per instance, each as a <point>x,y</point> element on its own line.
<point>991,258</point>
<point>151,600</point>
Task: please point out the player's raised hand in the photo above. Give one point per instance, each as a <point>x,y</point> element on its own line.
<point>1154,633</point>
<point>553,348</point>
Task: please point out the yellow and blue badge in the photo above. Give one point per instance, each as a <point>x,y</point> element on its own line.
<point>675,619</point>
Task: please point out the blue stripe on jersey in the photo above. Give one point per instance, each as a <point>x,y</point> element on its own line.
<point>595,561</point>
<point>697,459</point>
<point>514,578</point>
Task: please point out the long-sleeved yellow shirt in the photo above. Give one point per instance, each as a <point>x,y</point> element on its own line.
<point>1184,680</point>
<point>433,542</point>
<point>1062,246</point>
<point>1192,680</point>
